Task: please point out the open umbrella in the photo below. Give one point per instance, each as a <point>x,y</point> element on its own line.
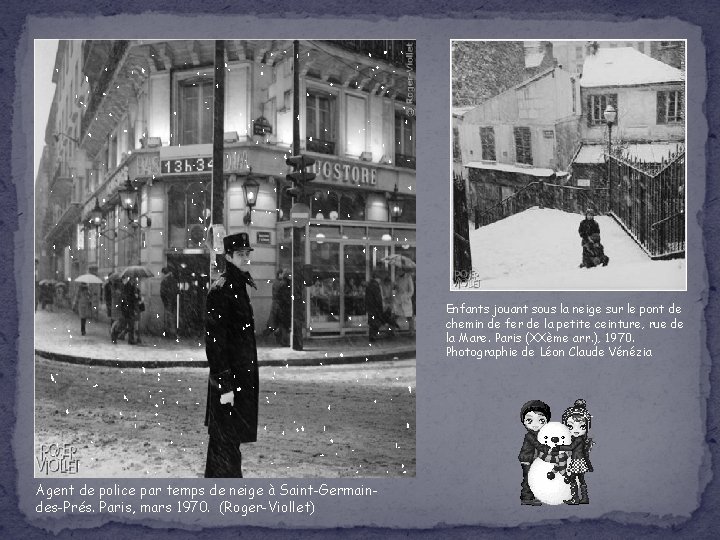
<point>114,276</point>
<point>47,282</point>
<point>88,278</point>
<point>400,261</point>
<point>136,272</point>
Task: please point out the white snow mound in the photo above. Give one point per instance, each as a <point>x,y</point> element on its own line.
<point>539,249</point>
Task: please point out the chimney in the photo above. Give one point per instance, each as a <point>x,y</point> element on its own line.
<point>548,60</point>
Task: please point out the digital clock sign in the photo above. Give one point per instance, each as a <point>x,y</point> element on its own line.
<point>186,165</point>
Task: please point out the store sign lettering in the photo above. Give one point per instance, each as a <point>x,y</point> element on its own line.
<point>345,172</point>
<point>186,165</point>
<point>147,165</point>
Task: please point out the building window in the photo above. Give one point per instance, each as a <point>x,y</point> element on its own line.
<point>523,145</point>
<point>196,109</point>
<point>456,143</point>
<point>404,140</point>
<point>574,95</point>
<point>188,215</point>
<point>355,122</point>
<point>596,105</point>
<point>670,107</point>
<point>320,122</point>
<point>487,141</point>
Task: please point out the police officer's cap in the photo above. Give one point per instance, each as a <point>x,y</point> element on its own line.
<point>236,242</point>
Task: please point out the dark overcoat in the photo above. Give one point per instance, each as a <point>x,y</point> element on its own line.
<point>587,228</point>
<point>374,301</point>
<point>232,357</point>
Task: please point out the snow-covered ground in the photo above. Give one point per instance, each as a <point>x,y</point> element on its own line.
<point>539,249</point>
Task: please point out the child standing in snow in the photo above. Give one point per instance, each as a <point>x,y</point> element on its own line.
<point>593,250</point>
<point>577,419</point>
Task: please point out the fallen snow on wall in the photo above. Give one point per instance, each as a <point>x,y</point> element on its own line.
<point>539,249</point>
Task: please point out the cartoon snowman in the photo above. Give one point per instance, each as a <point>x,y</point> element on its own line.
<point>547,472</point>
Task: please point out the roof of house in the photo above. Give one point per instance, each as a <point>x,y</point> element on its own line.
<point>625,66</point>
<point>647,152</point>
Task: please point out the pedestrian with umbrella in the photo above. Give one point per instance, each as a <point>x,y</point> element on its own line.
<point>404,287</point>
<point>129,306</point>
<point>83,305</point>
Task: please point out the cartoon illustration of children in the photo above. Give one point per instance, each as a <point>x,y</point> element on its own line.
<point>577,419</point>
<point>533,415</point>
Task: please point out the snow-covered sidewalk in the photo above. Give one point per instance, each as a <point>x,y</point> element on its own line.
<point>539,249</point>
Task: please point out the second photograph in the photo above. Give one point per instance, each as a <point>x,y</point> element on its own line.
<point>568,169</point>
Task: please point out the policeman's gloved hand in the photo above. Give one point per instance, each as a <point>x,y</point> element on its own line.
<point>227,398</point>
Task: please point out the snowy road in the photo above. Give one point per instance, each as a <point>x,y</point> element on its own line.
<point>539,249</point>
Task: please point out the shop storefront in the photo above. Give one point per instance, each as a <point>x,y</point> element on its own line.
<point>360,216</point>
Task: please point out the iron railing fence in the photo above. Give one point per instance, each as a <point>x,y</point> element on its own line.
<point>462,261</point>
<point>650,203</point>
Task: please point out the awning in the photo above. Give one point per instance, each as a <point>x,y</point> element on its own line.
<point>517,169</point>
<point>69,218</point>
<point>648,152</point>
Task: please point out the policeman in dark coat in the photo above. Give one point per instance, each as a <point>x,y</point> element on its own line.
<point>232,402</point>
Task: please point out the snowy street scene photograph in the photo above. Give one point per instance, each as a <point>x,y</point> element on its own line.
<point>225,258</point>
<point>569,165</point>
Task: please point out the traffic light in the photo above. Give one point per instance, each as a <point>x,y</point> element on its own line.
<point>299,177</point>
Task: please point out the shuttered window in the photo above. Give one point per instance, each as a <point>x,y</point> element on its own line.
<point>523,145</point>
<point>487,141</point>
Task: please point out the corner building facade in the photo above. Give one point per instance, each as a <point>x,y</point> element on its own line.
<point>142,111</point>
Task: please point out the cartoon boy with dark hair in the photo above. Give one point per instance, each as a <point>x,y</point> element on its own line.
<point>533,415</point>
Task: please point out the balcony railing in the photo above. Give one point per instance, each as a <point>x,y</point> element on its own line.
<point>392,51</point>
<point>320,146</point>
<point>97,93</point>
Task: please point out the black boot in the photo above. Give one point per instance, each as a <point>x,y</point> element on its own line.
<point>583,494</point>
<point>573,494</point>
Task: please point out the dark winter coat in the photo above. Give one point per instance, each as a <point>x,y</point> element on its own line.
<point>168,290</point>
<point>374,300</point>
<point>587,228</point>
<point>232,357</point>
<point>116,301</point>
<point>579,448</point>
<point>284,304</point>
<point>130,299</point>
<point>530,447</point>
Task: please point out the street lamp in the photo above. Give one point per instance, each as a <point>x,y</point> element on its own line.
<point>95,216</point>
<point>250,190</point>
<point>395,205</point>
<point>129,200</point>
<point>610,115</point>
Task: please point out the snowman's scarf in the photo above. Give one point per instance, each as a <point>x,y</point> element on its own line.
<point>559,458</point>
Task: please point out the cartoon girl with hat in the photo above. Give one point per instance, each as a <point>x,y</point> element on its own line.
<point>577,419</point>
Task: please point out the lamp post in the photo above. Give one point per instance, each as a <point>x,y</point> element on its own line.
<point>395,205</point>
<point>250,190</point>
<point>610,115</point>
<point>96,220</point>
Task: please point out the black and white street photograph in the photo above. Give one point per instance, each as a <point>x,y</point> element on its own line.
<point>568,169</point>
<point>225,258</point>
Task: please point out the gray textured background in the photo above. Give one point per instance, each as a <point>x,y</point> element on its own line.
<point>648,413</point>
